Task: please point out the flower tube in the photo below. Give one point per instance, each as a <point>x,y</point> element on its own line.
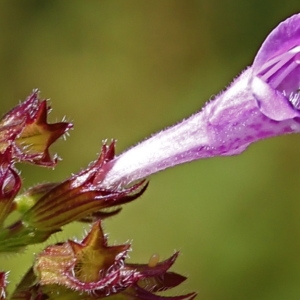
<point>263,102</point>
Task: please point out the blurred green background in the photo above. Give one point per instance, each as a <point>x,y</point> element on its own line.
<point>124,70</point>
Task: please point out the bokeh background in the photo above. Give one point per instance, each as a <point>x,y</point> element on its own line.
<point>124,70</point>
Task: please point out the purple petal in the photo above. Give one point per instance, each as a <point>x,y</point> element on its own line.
<point>276,72</point>
<point>271,102</point>
<point>283,38</point>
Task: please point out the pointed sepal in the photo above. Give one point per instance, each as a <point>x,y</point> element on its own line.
<point>91,269</point>
<point>26,128</point>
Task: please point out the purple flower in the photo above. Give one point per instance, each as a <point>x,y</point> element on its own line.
<point>263,102</point>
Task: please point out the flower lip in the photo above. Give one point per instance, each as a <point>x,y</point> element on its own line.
<point>276,72</point>
<point>283,38</point>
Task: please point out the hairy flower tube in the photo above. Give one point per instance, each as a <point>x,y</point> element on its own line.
<point>263,102</point>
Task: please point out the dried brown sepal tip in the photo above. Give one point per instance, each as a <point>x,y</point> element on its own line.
<point>25,128</point>
<point>81,197</point>
<point>91,269</point>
